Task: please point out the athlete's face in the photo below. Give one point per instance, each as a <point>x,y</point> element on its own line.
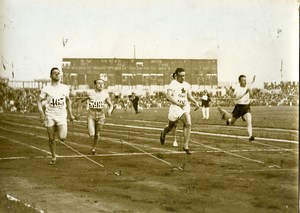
<point>99,85</point>
<point>243,81</point>
<point>55,75</point>
<point>180,77</point>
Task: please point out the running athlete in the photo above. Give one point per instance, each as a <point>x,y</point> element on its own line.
<point>57,103</point>
<point>179,94</point>
<point>242,108</point>
<point>96,100</point>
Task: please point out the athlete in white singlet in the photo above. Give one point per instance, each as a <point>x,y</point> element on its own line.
<point>179,94</point>
<point>242,107</point>
<point>97,100</point>
<point>57,104</point>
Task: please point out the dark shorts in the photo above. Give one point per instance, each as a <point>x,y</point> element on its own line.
<point>240,110</point>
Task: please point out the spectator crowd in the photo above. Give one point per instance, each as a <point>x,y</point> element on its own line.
<point>283,94</point>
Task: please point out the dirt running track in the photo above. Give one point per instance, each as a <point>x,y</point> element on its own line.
<point>222,175</point>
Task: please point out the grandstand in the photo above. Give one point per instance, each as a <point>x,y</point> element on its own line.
<point>35,84</point>
<point>123,74</point>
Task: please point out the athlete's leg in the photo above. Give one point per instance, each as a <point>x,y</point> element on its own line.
<point>187,125</point>
<point>175,135</point>
<point>231,121</point>
<point>62,135</point>
<point>169,127</point>
<point>97,130</point>
<point>235,115</point>
<point>62,132</point>
<point>91,126</point>
<point>52,143</point>
<point>166,130</point>
<point>248,119</point>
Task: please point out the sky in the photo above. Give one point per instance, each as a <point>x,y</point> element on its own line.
<point>251,37</point>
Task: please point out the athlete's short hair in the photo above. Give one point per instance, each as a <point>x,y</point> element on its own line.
<point>178,70</point>
<point>241,76</point>
<point>99,79</point>
<point>53,68</point>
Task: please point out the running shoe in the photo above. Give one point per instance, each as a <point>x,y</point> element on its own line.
<point>52,162</point>
<point>188,151</point>
<point>251,138</point>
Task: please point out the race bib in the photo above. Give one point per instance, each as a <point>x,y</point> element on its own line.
<point>180,98</point>
<point>95,104</point>
<point>57,102</point>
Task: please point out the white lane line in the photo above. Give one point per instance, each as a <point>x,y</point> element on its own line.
<point>157,148</point>
<point>263,170</point>
<point>24,144</point>
<point>139,153</point>
<point>33,147</point>
<point>82,155</point>
<point>197,133</point>
<point>11,198</point>
<point>206,133</point>
<point>78,134</point>
<point>192,132</point>
<point>276,147</point>
<point>147,153</point>
<point>229,153</point>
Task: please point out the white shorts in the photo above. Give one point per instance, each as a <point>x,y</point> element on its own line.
<point>96,116</point>
<point>175,112</point>
<point>55,120</point>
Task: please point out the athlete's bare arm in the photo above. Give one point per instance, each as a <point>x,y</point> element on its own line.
<point>69,108</point>
<point>191,98</point>
<point>172,100</point>
<point>110,105</point>
<point>40,108</point>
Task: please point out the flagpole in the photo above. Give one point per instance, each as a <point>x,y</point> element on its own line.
<point>281,65</point>
<point>12,71</point>
<point>64,42</point>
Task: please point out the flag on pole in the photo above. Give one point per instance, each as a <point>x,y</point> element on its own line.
<point>2,60</point>
<point>12,71</point>
<point>64,41</point>
<point>281,65</point>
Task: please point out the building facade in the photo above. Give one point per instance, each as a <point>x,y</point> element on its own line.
<point>120,73</point>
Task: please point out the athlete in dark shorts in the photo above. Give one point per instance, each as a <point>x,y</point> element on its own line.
<point>242,107</point>
<point>240,110</point>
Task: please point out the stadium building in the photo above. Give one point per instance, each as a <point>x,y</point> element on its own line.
<point>127,75</point>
